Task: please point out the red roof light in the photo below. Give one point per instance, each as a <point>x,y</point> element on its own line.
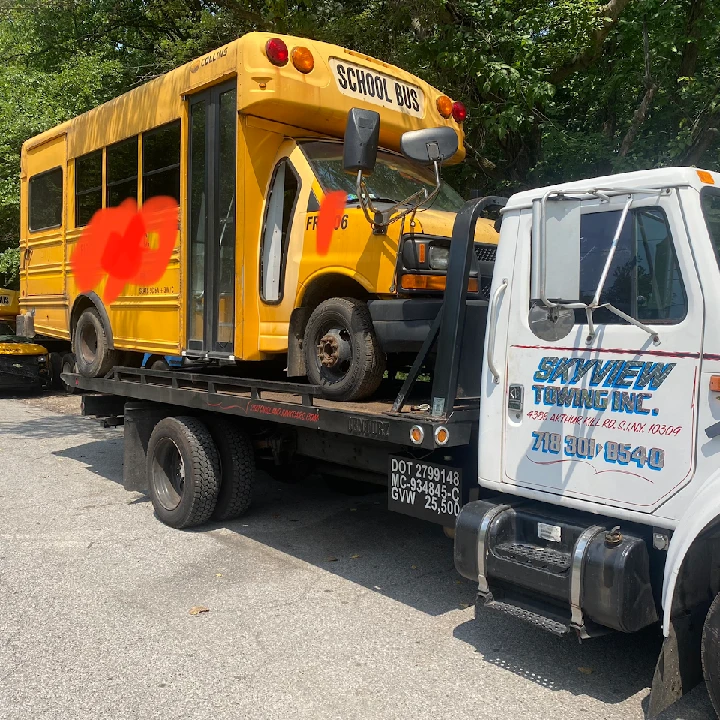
<point>277,52</point>
<point>459,112</point>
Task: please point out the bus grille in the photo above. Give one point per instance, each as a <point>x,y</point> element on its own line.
<point>485,253</point>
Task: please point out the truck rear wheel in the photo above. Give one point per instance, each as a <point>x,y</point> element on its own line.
<point>183,471</point>
<point>237,469</point>
<point>342,352</point>
<point>91,347</point>
<point>711,653</point>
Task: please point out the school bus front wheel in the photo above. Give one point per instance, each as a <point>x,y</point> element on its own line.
<point>342,353</point>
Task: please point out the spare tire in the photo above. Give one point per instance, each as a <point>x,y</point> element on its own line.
<point>91,346</point>
<point>342,352</point>
<point>183,471</point>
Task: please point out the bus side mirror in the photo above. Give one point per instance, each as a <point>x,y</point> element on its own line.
<point>555,273</point>
<point>361,141</point>
<point>430,145</point>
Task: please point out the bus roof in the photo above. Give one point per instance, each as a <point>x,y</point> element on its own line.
<point>317,101</point>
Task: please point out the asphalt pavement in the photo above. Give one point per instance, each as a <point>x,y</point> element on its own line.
<point>319,605</point>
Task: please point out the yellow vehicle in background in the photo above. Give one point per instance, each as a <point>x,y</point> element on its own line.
<point>9,306</point>
<point>248,140</point>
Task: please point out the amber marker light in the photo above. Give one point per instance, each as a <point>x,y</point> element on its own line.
<point>445,106</point>
<point>417,434</point>
<point>705,177</point>
<point>431,282</point>
<point>715,383</point>
<point>302,59</point>
<point>441,435</point>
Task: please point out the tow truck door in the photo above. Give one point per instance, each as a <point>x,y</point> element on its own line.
<point>611,420</point>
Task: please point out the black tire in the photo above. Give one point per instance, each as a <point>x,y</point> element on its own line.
<point>237,469</point>
<point>93,355</point>
<point>183,472</point>
<point>155,362</point>
<point>68,366</point>
<point>342,352</point>
<point>711,653</point>
<point>56,368</point>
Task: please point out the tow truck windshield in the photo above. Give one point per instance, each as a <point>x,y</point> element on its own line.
<point>393,179</point>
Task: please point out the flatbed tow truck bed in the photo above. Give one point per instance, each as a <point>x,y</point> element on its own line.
<point>286,403</point>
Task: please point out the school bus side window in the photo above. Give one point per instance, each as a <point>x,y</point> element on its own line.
<point>88,187</point>
<point>161,162</point>
<point>46,197</point>
<point>280,209</point>
<point>122,171</point>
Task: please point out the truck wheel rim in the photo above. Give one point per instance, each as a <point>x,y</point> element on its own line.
<point>334,353</point>
<point>168,474</point>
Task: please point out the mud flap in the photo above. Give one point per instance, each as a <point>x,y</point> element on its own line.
<point>679,667</point>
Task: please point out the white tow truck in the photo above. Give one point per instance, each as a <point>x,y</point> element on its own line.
<point>571,432</point>
<point>599,442</point>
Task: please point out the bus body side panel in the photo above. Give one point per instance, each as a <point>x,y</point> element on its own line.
<point>42,285</point>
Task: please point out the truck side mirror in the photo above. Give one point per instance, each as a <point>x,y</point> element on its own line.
<point>361,140</point>
<point>430,145</point>
<point>555,273</point>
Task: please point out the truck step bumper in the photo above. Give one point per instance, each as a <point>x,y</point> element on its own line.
<point>553,568</point>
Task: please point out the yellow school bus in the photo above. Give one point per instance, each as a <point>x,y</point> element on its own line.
<point>248,140</point>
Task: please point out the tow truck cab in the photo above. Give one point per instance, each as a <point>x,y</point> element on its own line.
<point>598,498</point>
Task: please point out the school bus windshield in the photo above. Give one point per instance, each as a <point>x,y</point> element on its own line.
<point>393,179</point>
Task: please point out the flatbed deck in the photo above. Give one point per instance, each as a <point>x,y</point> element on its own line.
<point>287,403</point>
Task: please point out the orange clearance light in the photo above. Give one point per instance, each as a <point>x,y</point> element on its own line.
<point>459,112</point>
<point>445,106</point>
<point>441,435</point>
<point>302,59</point>
<point>715,383</point>
<point>706,177</point>
<point>276,52</point>
<point>421,252</point>
<point>417,434</point>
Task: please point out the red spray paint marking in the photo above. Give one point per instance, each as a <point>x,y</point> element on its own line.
<point>329,217</point>
<point>115,245</point>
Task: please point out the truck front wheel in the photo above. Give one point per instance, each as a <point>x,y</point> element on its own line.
<point>711,653</point>
<point>91,347</point>
<point>342,352</point>
<point>183,471</point>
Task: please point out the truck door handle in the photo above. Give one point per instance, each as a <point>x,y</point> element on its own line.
<point>492,319</point>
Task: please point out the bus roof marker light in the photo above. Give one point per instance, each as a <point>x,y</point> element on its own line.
<point>444,106</point>
<point>302,59</point>
<point>277,52</point>
<point>459,112</point>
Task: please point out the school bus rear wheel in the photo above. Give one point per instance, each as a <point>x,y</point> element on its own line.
<point>342,352</point>
<point>91,346</point>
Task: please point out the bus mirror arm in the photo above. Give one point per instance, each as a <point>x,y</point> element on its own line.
<point>381,219</point>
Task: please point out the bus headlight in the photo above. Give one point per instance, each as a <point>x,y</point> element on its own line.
<point>438,257</point>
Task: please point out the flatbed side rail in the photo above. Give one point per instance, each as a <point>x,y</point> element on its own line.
<point>213,383</point>
<point>278,402</point>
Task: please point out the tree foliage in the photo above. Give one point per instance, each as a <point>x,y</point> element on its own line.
<point>554,91</point>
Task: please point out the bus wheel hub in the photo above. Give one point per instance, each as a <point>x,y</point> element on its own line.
<point>333,349</point>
